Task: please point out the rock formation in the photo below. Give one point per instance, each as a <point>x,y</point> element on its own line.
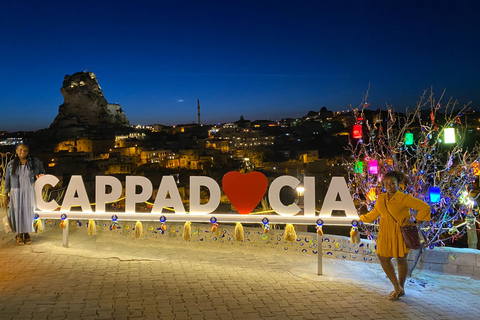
<point>85,110</point>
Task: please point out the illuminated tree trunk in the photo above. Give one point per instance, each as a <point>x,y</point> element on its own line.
<point>471,231</point>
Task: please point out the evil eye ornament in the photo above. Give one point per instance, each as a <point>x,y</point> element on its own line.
<point>266,228</point>
<point>63,223</point>
<point>214,227</point>
<point>163,219</point>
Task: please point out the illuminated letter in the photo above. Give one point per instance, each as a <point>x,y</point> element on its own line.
<point>338,187</point>
<point>274,195</point>
<point>39,184</point>
<point>168,186</point>
<point>101,198</point>
<point>309,196</point>
<point>76,186</point>
<point>213,188</point>
<point>131,197</point>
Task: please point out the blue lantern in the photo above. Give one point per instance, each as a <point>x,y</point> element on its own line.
<point>434,194</point>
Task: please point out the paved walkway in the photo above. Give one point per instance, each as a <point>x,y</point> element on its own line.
<point>120,277</point>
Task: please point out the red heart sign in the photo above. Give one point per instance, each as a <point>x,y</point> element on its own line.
<point>244,191</point>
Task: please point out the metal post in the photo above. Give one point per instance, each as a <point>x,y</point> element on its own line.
<point>320,253</point>
<point>65,234</point>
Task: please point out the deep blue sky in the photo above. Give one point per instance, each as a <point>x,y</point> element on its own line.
<point>260,59</point>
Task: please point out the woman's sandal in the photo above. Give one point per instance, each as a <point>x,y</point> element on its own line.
<point>395,295</point>
<point>20,239</point>
<point>28,240</point>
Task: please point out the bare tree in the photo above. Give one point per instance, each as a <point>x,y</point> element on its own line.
<point>414,143</point>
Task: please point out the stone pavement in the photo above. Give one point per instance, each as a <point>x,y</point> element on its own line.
<point>120,277</point>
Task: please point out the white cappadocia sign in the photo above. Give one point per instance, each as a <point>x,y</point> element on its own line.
<point>244,191</point>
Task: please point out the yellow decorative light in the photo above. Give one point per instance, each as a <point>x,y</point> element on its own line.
<point>476,168</point>
<point>372,194</point>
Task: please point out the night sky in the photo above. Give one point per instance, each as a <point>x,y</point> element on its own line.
<point>260,59</point>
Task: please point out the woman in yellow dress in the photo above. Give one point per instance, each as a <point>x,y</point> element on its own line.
<point>395,204</point>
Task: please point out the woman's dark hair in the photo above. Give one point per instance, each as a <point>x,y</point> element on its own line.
<point>399,176</point>
<point>16,159</point>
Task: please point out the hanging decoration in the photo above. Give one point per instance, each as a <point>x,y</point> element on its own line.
<point>163,226</point>
<point>239,236</point>
<point>357,129</point>
<point>214,227</point>
<point>187,231</point>
<point>37,224</point>
<point>114,223</point>
<point>434,194</point>
<point>266,226</point>
<point>92,227</point>
<point>354,235</point>
<point>408,139</point>
<point>214,223</point>
<point>465,198</point>
<point>359,167</point>
<point>476,168</point>
<point>290,234</point>
<point>63,223</point>
<point>138,229</point>
<point>319,227</point>
<point>372,194</point>
<point>373,167</point>
<point>449,135</point>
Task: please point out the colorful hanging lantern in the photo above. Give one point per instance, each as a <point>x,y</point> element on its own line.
<point>434,194</point>
<point>359,167</point>
<point>373,167</point>
<point>357,131</point>
<point>476,169</point>
<point>466,199</point>
<point>408,139</point>
<point>372,194</point>
<point>449,135</point>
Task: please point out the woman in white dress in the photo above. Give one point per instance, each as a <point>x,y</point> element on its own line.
<point>19,192</point>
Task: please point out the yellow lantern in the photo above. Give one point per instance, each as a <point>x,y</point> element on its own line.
<point>371,194</point>
<point>476,168</point>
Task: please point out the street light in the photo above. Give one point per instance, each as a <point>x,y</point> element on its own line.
<point>300,190</point>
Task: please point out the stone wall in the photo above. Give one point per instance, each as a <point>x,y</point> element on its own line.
<point>455,261</point>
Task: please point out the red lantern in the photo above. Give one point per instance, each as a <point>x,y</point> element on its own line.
<point>357,131</point>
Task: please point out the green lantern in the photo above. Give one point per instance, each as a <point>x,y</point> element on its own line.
<point>408,139</point>
<point>359,167</point>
